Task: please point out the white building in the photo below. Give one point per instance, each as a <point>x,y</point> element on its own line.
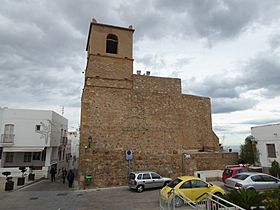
<point>74,138</point>
<point>267,139</point>
<point>36,138</point>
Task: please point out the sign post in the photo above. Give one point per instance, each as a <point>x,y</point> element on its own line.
<point>128,157</point>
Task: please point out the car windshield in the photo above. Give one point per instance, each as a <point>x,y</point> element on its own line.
<point>241,176</point>
<point>132,176</point>
<point>174,182</point>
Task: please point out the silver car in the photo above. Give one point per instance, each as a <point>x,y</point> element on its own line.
<point>253,181</point>
<point>141,180</point>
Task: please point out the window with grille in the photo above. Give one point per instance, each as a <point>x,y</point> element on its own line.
<point>37,127</point>
<point>27,157</point>
<point>9,157</point>
<point>36,155</point>
<point>271,153</point>
<point>8,136</point>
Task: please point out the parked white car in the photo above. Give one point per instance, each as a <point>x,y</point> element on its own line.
<point>141,180</point>
<point>252,181</point>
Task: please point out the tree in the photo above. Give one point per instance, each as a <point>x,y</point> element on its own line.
<point>272,199</point>
<point>248,152</point>
<point>275,169</point>
<point>245,198</point>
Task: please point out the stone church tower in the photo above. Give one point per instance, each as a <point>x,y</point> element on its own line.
<point>167,131</point>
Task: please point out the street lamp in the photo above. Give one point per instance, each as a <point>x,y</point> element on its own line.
<point>89,141</point>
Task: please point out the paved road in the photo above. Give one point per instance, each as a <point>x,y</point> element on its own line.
<point>52,196</point>
<point>46,195</point>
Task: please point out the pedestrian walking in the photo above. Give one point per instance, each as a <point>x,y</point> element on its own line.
<point>64,173</point>
<point>53,172</point>
<point>70,178</point>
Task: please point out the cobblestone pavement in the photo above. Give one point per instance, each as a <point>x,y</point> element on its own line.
<point>45,195</point>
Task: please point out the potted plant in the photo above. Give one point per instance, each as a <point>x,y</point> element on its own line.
<point>31,176</point>
<point>9,185</point>
<point>21,179</point>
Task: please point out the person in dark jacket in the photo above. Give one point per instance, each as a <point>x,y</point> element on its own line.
<point>70,178</point>
<point>64,173</point>
<point>53,172</point>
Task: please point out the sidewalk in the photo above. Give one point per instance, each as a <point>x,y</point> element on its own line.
<point>16,187</point>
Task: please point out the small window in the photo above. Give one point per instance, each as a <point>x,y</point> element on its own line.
<point>271,150</point>
<point>1,150</point>
<point>36,155</point>
<point>257,178</point>
<point>37,127</point>
<point>186,185</point>
<point>27,157</point>
<point>241,176</point>
<point>241,171</point>
<point>198,184</point>
<point>139,176</point>
<point>112,44</point>
<point>268,178</point>
<point>146,176</point>
<point>9,157</point>
<point>155,176</point>
<point>9,129</point>
<point>131,176</point>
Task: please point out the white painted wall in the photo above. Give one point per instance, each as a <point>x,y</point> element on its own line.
<point>25,122</point>
<point>74,136</point>
<point>267,134</point>
<point>204,175</point>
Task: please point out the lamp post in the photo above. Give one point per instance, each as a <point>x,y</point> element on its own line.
<point>89,141</point>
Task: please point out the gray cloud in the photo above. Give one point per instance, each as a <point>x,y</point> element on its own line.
<point>43,45</point>
<point>262,73</point>
<point>41,54</point>
<point>256,122</point>
<point>223,105</point>
<point>213,19</point>
<point>275,41</point>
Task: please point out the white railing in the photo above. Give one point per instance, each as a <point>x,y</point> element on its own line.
<point>208,201</point>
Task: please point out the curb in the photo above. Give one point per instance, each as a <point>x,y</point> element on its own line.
<point>29,184</point>
<point>100,189</point>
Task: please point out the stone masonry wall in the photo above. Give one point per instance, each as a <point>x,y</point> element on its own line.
<point>207,161</point>
<point>157,124</point>
<point>148,115</point>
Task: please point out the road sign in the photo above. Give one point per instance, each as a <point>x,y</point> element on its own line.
<point>128,154</point>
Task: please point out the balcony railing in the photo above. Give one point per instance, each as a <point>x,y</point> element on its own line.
<point>63,140</point>
<point>7,138</point>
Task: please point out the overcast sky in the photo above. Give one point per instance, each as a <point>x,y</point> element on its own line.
<point>226,50</point>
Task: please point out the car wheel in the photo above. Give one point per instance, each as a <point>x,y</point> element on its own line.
<point>251,189</point>
<point>178,201</point>
<point>140,188</point>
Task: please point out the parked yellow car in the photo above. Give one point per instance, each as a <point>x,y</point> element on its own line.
<point>191,187</point>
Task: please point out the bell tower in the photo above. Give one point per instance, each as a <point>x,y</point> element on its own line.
<point>106,94</point>
<point>109,53</point>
